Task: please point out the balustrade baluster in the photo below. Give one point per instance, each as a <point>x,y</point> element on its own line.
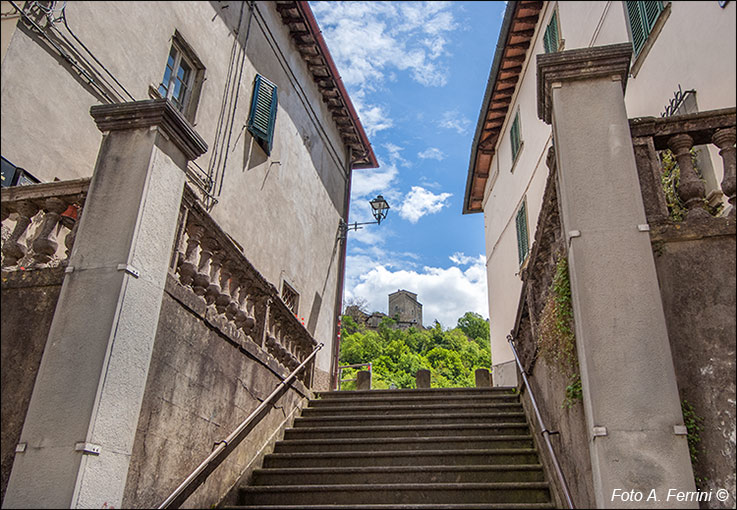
<point>188,266</point>
<point>213,289</point>
<point>13,250</point>
<point>725,140</point>
<point>201,279</point>
<point>224,299</point>
<point>44,247</point>
<point>691,189</point>
<point>243,319</point>
<point>69,239</point>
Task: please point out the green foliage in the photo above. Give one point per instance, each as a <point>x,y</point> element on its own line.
<point>452,355</point>
<point>557,340</point>
<point>670,179</point>
<point>693,427</point>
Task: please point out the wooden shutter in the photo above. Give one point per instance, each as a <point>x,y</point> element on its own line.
<point>550,39</point>
<point>522,239</point>
<point>514,136</point>
<point>262,117</point>
<point>642,16</point>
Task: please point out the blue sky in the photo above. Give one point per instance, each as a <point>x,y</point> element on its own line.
<point>416,73</point>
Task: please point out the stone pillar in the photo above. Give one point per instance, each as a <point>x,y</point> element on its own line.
<point>77,438</point>
<point>422,379</point>
<point>363,380</point>
<point>633,414</point>
<point>483,378</point>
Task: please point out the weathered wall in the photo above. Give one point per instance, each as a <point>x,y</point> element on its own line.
<point>201,385</point>
<point>696,272</point>
<point>262,204</point>
<point>26,309</point>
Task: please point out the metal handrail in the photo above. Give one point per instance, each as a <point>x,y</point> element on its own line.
<point>219,453</point>
<point>545,432</point>
<point>340,372</point>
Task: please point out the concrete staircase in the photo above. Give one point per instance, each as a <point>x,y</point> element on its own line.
<point>465,448</point>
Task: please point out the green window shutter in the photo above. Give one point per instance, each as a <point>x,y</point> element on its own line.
<point>262,117</point>
<point>642,16</point>
<point>522,240</point>
<point>550,39</point>
<point>514,136</point>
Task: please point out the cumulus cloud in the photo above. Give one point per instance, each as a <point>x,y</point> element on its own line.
<point>395,155</point>
<point>461,259</point>
<point>372,41</point>
<point>454,120</point>
<point>420,202</point>
<point>432,153</point>
<point>445,293</point>
<point>367,181</point>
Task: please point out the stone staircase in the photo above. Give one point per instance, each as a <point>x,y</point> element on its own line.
<point>460,448</point>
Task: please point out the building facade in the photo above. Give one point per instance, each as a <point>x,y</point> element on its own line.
<point>405,309</point>
<point>220,143</point>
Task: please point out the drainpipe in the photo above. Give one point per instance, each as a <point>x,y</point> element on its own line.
<point>341,273</point>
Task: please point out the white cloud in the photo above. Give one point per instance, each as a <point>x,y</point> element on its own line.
<point>420,202</point>
<point>445,293</point>
<point>461,259</point>
<point>368,181</point>
<point>432,153</point>
<point>395,155</point>
<point>371,41</point>
<point>454,120</point>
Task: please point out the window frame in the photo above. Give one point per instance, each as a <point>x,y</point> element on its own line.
<point>522,211</point>
<point>290,297</point>
<point>193,86</point>
<point>515,128</point>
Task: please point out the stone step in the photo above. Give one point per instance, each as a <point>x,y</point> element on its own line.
<point>374,410</point>
<point>388,431</point>
<point>404,443</point>
<point>402,458</point>
<point>405,399</point>
<point>517,492</point>
<point>393,474</point>
<point>410,419</point>
<point>399,393</point>
<point>428,506</point>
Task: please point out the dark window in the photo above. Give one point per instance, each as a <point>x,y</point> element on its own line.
<point>514,136</point>
<point>290,297</point>
<point>262,117</point>
<point>642,17</point>
<point>550,39</point>
<point>522,238</point>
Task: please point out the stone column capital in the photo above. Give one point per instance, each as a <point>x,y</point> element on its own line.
<point>581,64</point>
<point>159,113</point>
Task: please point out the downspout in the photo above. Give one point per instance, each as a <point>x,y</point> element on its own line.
<point>341,273</point>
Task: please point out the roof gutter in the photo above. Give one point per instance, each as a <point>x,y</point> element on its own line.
<point>317,34</point>
<point>491,83</point>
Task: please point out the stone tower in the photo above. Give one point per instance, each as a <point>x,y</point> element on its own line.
<point>404,307</point>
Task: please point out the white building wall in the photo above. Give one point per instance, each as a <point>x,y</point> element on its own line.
<point>691,32</point>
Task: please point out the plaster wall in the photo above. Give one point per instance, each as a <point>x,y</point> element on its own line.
<point>673,59</point>
<point>282,209</point>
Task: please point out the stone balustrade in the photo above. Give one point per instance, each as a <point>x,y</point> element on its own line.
<point>207,262</point>
<point>39,223</point>
<point>680,134</point>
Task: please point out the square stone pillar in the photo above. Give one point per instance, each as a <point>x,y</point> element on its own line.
<point>77,438</point>
<point>633,414</point>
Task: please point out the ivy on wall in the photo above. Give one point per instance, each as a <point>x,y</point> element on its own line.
<point>556,338</point>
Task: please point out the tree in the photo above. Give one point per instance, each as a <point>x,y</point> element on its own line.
<point>474,326</point>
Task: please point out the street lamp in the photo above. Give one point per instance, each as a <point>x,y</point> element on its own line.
<point>379,208</point>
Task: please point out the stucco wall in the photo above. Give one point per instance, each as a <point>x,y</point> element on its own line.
<point>26,309</point>
<point>282,209</point>
<point>201,385</point>
<point>696,276</point>
<point>690,31</point>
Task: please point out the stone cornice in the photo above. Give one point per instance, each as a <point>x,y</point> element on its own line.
<point>151,112</point>
<point>581,64</point>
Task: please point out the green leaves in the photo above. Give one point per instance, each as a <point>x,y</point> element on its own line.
<point>396,355</point>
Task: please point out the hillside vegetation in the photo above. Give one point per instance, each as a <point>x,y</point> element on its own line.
<point>452,355</point>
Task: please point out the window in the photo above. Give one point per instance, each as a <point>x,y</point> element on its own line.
<point>14,175</point>
<point>290,297</point>
<point>262,117</point>
<point>183,76</point>
<point>514,136</point>
<point>642,17</point>
<point>522,239</point>
<point>551,42</point>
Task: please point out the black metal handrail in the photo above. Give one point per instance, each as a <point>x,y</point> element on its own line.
<point>544,431</point>
<point>224,447</point>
